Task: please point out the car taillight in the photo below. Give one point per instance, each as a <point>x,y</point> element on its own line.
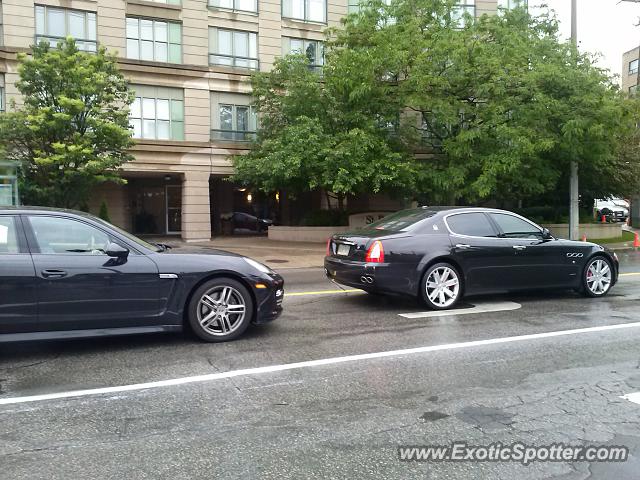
<point>375,254</point>
<point>329,247</point>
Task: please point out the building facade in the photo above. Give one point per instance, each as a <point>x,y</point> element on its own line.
<point>188,62</point>
<point>630,72</point>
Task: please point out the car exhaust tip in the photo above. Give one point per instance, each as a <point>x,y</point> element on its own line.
<point>366,279</point>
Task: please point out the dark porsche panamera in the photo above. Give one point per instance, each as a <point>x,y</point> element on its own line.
<point>440,254</point>
<point>68,274</point>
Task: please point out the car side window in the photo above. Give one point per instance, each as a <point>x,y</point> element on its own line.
<point>8,235</point>
<point>471,224</point>
<point>515,227</point>
<point>59,235</point>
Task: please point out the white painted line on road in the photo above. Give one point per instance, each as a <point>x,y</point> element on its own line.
<point>482,308</point>
<point>632,397</point>
<point>310,364</point>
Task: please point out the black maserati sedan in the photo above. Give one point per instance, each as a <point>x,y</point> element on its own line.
<point>68,274</point>
<point>440,254</point>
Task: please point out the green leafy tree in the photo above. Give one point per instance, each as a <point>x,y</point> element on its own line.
<point>501,104</point>
<point>320,135</point>
<point>449,108</point>
<point>72,131</point>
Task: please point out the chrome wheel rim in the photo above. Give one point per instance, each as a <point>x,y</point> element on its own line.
<point>598,277</point>
<point>443,286</point>
<point>221,310</point>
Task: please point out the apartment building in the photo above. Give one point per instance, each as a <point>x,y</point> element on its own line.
<point>188,62</point>
<point>630,72</point>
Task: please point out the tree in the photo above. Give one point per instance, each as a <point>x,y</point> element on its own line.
<point>501,103</point>
<point>72,132</point>
<point>319,135</point>
<point>448,108</point>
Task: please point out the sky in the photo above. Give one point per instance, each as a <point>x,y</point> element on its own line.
<point>604,26</point>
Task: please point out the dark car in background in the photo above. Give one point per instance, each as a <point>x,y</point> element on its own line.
<point>241,222</point>
<point>68,274</point>
<point>440,254</point>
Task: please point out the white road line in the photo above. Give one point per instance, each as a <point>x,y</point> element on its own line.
<point>632,397</point>
<point>309,364</point>
<point>482,308</point>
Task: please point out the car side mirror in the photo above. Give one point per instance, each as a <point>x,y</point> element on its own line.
<point>117,251</point>
<point>546,234</point>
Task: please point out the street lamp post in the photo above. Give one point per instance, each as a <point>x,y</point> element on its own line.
<point>574,199</point>
<point>635,200</point>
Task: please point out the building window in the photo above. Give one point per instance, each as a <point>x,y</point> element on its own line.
<point>232,117</point>
<point>458,11</point>
<point>354,6</point>
<point>54,24</point>
<point>2,94</point>
<point>633,67</point>
<point>157,113</point>
<point>154,40</point>
<point>511,4</point>
<point>313,49</point>
<point>236,5</point>
<point>8,183</point>
<point>233,48</point>
<point>306,10</point>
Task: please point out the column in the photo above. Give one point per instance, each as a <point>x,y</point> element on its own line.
<point>196,219</point>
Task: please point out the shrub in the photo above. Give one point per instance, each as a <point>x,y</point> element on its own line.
<point>325,218</point>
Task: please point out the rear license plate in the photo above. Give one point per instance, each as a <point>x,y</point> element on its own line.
<point>343,250</point>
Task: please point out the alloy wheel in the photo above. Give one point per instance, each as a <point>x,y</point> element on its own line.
<point>598,277</point>
<point>221,310</point>
<point>442,286</point>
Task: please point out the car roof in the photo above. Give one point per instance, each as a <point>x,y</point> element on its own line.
<point>444,210</point>
<point>42,210</point>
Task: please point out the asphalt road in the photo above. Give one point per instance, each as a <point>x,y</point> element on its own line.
<point>343,416</point>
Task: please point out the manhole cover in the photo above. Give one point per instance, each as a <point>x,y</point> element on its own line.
<point>278,261</point>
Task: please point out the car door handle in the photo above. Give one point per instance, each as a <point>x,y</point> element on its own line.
<point>54,273</point>
<point>519,247</point>
<point>462,245</point>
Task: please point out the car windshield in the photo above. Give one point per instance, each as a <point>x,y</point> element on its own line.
<point>130,236</point>
<point>402,220</point>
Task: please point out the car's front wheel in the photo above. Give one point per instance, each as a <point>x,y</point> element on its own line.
<point>220,310</point>
<point>441,286</point>
<point>597,277</point>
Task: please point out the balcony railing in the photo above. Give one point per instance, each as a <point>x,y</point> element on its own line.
<point>233,135</point>
<point>84,45</point>
<point>231,61</point>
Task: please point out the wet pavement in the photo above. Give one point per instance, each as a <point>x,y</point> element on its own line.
<point>344,418</point>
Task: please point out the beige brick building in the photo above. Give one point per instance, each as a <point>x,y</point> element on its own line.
<point>630,71</point>
<point>188,62</point>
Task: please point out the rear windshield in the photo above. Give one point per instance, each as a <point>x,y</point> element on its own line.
<point>402,220</point>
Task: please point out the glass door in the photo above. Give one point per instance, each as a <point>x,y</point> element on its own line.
<point>174,208</point>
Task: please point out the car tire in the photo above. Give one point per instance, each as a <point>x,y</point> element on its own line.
<point>220,310</point>
<point>596,280</point>
<point>441,286</point>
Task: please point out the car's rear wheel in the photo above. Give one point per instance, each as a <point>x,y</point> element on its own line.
<point>597,277</point>
<point>220,310</point>
<point>441,286</point>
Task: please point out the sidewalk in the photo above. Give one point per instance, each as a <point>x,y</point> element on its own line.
<point>275,254</point>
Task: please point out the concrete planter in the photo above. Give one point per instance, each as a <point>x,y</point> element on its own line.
<point>591,230</point>
<point>358,220</point>
<point>304,234</point>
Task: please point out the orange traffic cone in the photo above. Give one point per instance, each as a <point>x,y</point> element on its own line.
<point>584,237</point>
<point>604,219</point>
<point>636,241</point>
